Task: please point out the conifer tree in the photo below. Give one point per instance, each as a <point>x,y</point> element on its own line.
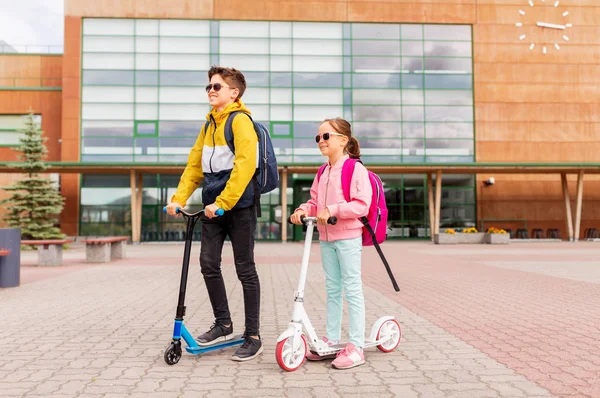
<point>35,203</point>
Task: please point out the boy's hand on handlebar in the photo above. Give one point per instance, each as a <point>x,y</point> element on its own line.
<point>210,210</point>
<point>172,209</point>
<point>295,218</point>
<point>323,217</point>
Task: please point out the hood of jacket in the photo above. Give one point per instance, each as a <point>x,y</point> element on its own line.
<point>221,117</point>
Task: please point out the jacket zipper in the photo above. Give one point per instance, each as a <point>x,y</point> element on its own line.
<point>214,145</point>
<point>326,190</point>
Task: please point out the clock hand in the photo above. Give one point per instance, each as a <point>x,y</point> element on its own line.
<point>550,25</point>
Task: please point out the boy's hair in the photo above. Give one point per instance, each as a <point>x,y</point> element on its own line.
<point>232,76</point>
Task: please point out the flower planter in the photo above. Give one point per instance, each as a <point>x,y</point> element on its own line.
<point>459,238</point>
<point>497,239</point>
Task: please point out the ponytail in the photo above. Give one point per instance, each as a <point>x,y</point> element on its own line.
<point>343,127</point>
<point>353,148</point>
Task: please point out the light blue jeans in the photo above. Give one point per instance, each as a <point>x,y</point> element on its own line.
<point>341,263</point>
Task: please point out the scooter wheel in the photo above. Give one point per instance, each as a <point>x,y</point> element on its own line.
<point>286,358</point>
<point>392,330</point>
<point>173,353</point>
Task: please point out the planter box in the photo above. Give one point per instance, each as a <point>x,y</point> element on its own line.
<point>459,238</point>
<point>10,264</point>
<point>497,239</point>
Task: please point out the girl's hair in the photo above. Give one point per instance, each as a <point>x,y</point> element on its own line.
<point>343,127</point>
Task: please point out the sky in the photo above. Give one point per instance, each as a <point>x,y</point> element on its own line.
<point>32,22</point>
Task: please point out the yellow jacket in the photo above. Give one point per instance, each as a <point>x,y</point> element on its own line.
<point>227,175</point>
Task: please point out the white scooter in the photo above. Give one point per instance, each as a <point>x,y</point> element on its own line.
<point>292,343</point>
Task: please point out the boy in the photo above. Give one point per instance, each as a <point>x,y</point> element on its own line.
<point>229,186</point>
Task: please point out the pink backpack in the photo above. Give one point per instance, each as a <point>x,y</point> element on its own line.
<point>375,223</point>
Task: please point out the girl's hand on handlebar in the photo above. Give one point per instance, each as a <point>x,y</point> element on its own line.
<point>295,218</point>
<point>172,209</point>
<point>323,217</point>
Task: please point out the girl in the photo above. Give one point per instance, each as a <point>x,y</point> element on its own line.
<point>341,244</point>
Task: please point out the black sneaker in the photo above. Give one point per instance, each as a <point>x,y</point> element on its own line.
<point>215,334</point>
<point>249,350</point>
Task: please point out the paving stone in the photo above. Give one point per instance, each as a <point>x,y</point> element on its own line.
<point>470,328</point>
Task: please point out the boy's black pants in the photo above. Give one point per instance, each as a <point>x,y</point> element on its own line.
<point>239,225</point>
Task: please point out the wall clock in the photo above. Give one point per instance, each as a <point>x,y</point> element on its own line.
<point>547,22</point>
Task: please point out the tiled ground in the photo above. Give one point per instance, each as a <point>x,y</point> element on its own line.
<point>478,321</point>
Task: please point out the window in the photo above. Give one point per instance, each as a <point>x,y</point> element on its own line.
<point>406,88</point>
<point>10,126</point>
<point>146,128</point>
<point>281,129</point>
<point>106,128</point>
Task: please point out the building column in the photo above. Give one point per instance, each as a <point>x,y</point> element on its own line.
<point>577,228</point>
<point>137,184</point>
<point>431,206</point>
<point>565,189</point>
<point>140,190</point>
<point>438,200</point>
<point>132,184</point>
<point>283,201</point>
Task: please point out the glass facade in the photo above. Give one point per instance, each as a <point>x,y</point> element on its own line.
<point>106,208</point>
<point>407,89</point>
<point>406,198</point>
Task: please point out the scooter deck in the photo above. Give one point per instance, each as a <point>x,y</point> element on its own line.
<point>236,340</point>
<point>334,349</point>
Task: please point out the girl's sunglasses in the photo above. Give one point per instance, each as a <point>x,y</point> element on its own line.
<point>326,136</point>
<point>217,87</point>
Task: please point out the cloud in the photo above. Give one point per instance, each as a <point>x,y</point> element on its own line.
<point>32,23</point>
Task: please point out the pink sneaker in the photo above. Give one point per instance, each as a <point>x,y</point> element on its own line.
<point>314,357</point>
<point>349,357</point>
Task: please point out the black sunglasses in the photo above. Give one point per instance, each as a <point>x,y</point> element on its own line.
<point>217,87</point>
<point>326,136</point>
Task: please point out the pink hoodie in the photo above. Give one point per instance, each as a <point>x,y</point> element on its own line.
<point>328,193</point>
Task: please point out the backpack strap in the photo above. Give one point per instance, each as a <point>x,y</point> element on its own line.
<point>347,173</point>
<point>321,171</point>
<point>206,125</point>
<point>229,129</point>
<point>231,145</point>
<point>365,222</point>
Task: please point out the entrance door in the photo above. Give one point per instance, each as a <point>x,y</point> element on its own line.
<point>302,195</point>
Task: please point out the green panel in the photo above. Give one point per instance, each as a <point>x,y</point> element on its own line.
<point>281,129</point>
<point>146,128</point>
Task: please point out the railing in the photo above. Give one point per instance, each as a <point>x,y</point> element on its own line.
<point>30,82</point>
<point>503,220</point>
<point>31,49</point>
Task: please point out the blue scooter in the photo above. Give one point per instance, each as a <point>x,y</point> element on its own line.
<point>173,351</point>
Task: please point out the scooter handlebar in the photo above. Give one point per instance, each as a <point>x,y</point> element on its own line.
<point>178,210</point>
<point>332,220</point>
